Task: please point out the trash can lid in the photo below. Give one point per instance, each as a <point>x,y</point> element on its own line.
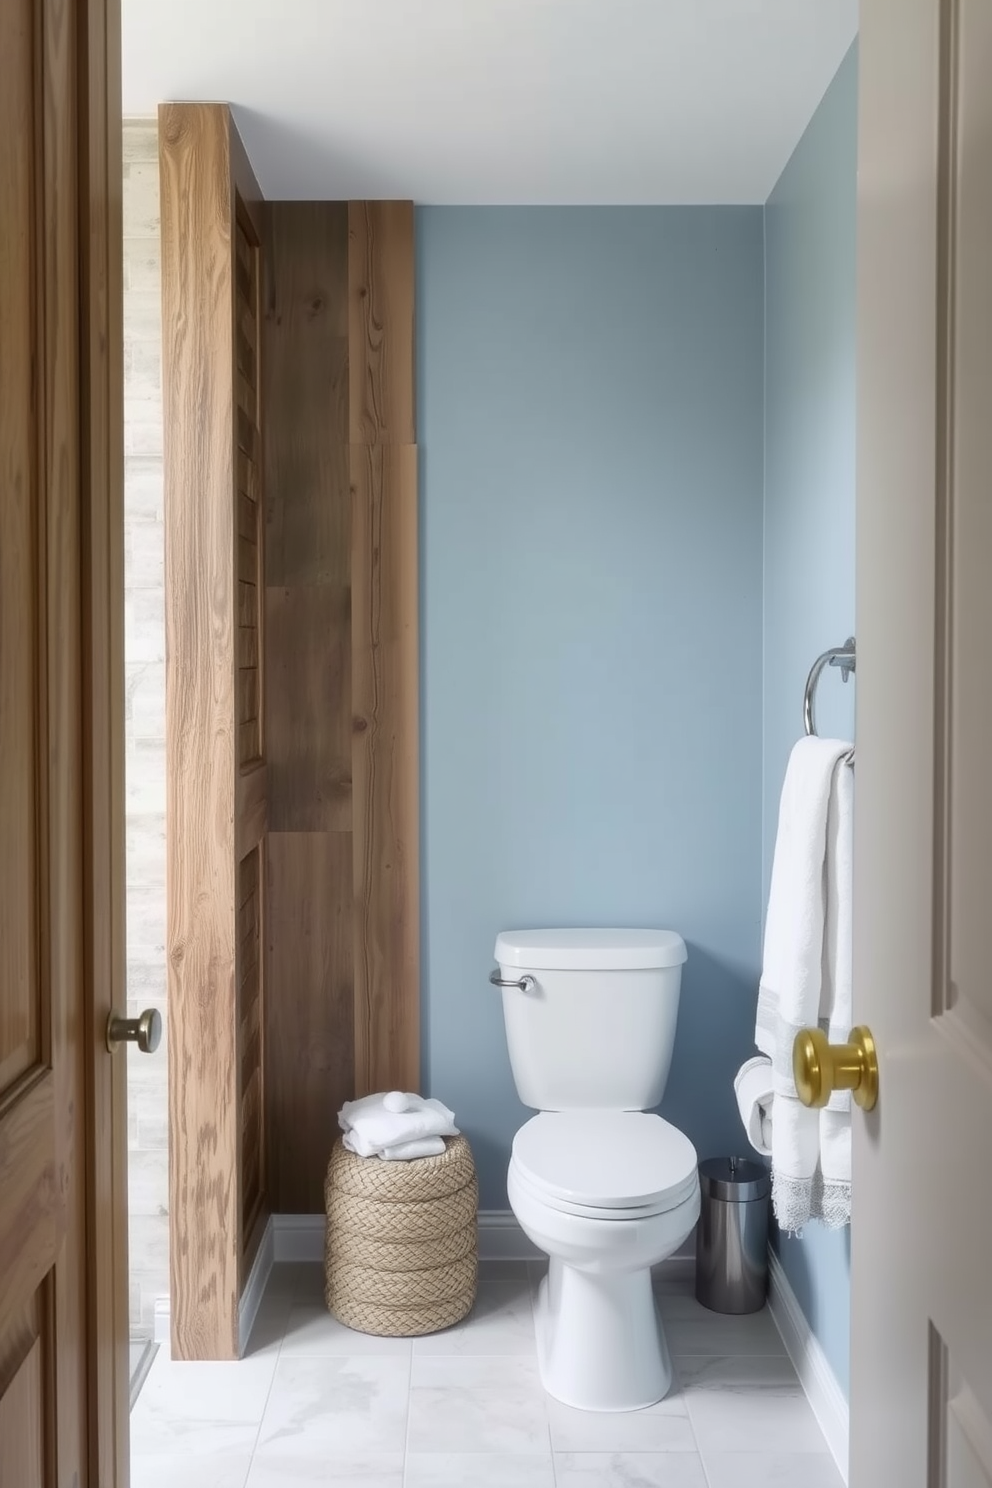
<point>733,1178</point>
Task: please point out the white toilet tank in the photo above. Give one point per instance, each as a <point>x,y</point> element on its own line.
<point>595,1027</point>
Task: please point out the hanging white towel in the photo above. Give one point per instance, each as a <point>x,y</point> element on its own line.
<point>389,1124</point>
<point>806,978</point>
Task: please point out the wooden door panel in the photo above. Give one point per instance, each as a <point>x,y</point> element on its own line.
<point>20,1012</point>
<point>55,103</point>
<point>31,1219</point>
<point>22,1413</point>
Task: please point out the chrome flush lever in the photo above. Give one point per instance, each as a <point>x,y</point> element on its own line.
<point>525,983</point>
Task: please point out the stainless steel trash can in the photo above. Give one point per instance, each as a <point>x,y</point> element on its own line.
<point>732,1237</point>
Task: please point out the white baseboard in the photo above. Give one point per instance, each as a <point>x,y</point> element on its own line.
<point>823,1392</point>
<point>162,1326</point>
<point>502,1239</point>
<point>297,1237</point>
<point>300,1237</point>
<point>254,1291</point>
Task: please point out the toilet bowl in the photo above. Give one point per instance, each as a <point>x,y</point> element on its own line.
<point>604,1188</point>
<point>606,1196</point>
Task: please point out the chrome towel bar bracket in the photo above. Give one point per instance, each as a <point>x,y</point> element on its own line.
<point>525,983</point>
<point>844,657</point>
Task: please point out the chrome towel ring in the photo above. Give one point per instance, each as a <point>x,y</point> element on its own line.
<point>844,657</point>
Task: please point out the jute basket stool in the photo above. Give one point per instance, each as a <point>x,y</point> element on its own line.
<point>401,1250</point>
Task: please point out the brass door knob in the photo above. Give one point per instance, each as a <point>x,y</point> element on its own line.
<point>145,1031</point>
<point>820,1067</point>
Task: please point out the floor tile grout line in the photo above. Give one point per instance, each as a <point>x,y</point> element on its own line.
<point>547,1412</point>
<point>265,1406</point>
<point>275,1368</point>
<point>409,1409</point>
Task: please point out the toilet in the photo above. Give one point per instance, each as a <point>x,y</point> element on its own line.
<point>605,1189</point>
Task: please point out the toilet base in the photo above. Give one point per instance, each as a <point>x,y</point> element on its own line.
<point>600,1341</point>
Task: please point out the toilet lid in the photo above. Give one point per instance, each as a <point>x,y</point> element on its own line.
<point>607,1159</point>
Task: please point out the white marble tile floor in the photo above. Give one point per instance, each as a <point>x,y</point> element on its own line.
<point>316,1404</point>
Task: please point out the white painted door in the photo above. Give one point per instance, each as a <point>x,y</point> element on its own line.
<point>921,1378</point>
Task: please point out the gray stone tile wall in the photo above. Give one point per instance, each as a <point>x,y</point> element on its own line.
<point>144,659</point>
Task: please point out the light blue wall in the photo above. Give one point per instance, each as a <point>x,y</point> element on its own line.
<point>590,421</point>
<point>809,525</point>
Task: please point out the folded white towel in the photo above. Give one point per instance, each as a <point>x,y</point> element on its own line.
<point>408,1151</point>
<point>374,1126</point>
<point>806,977</point>
<point>754,1091</point>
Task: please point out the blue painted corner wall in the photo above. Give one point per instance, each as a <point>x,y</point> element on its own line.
<point>590,419</point>
<point>810,263</point>
<point>637,494</point>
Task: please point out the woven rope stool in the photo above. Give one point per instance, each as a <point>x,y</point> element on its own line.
<point>401,1250</point>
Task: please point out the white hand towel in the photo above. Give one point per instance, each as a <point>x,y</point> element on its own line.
<point>832,1199</point>
<point>371,1128</point>
<point>753,1088</point>
<point>806,977</point>
<point>351,1110</point>
<point>408,1151</point>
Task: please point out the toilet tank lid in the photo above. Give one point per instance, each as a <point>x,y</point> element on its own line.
<point>590,950</point>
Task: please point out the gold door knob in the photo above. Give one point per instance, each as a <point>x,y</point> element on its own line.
<point>145,1031</point>
<point>819,1067</point>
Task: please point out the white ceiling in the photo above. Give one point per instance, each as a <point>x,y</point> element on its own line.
<point>459,101</point>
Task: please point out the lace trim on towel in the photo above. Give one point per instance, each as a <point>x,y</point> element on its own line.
<point>798,1200</point>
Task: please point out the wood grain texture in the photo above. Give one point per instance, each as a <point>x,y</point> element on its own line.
<point>342,905</point>
<point>305,379</point>
<point>20,635</point>
<point>250,914</point>
<point>198,400</point>
<point>308,1068</point>
<point>308,1010</point>
<point>102,414</point>
<point>385,677</point>
<point>52,100</point>
<point>381,322</point>
<point>217,781</point>
<point>385,761</point>
<point>252,785</point>
<point>253,808</point>
<point>22,1424</point>
<point>308,717</point>
<point>248,538</point>
<point>66,893</point>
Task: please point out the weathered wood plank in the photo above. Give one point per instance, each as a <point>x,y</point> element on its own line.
<point>210,214</point>
<point>385,767</point>
<point>198,396</point>
<point>381,322</point>
<point>308,1011</point>
<point>308,708</point>
<point>305,377</point>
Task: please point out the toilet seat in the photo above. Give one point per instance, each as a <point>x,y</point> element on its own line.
<point>605,1164</point>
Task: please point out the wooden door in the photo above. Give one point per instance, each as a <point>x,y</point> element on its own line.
<point>63,1324</point>
<point>921,1377</point>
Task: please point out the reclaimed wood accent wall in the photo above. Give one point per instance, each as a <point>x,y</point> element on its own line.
<point>341,702</point>
<point>291,695</point>
<point>216,772</point>
<point>385,656</point>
